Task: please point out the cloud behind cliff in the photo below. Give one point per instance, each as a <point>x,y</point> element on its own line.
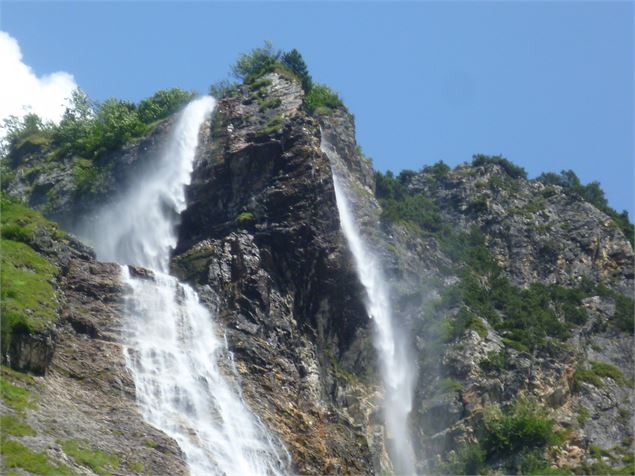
<point>22,90</point>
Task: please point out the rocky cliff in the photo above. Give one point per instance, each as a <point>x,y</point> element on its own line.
<point>516,295</point>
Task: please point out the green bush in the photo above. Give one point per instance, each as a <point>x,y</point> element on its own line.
<point>222,89</point>
<point>520,428</point>
<point>514,171</point>
<point>18,130</point>
<point>163,103</point>
<point>322,100</point>
<point>257,62</point>
<point>468,460</point>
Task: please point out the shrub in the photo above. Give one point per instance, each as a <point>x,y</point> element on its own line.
<point>494,361</point>
<point>222,89</point>
<point>257,62</point>
<point>520,428</point>
<point>163,103</point>
<point>322,100</point>
<point>18,130</point>
<point>514,171</point>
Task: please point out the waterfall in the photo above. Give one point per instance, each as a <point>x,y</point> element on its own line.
<point>171,345</point>
<point>395,366</point>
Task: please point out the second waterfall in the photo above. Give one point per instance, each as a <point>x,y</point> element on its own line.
<point>395,366</point>
<point>181,367</point>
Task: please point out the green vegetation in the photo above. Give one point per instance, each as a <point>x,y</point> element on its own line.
<point>514,171</point>
<point>447,385</point>
<point>455,327</point>
<point>322,100</point>
<point>583,415</point>
<point>27,279</point>
<point>520,435</point>
<point>162,104</point>
<point>251,66</point>
<point>521,427</point>
<point>97,460</point>
<point>245,217</point>
<point>274,126</point>
<point>28,295</point>
<point>294,61</point>
<point>136,466</point>
<point>468,460</point>
<point>14,396</point>
<point>592,193</point>
<point>16,455</point>
<point>12,425</point>
<point>19,222</point>
<point>495,361</point>
<point>89,130</point>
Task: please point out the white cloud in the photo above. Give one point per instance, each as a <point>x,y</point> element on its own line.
<point>22,91</point>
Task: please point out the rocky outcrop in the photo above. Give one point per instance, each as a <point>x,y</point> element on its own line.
<point>535,232</point>
<point>260,240</point>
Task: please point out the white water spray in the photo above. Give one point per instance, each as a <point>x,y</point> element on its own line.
<point>172,348</point>
<point>395,366</point>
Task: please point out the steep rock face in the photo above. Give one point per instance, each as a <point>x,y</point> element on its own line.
<point>261,241</point>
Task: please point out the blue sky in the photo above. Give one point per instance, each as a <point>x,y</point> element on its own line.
<point>549,85</point>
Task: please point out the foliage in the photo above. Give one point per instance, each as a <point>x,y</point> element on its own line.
<point>322,100</point>
<point>97,460</point>
<point>274,126</point>
<point>163,103</point>
<point>468,460</point>
<point>464,320</point>
<point>255,63</point>
<point>516,430</point>
<point>602,369</point>
<point>416,209</point>
<point>245,217</point>
<point>17,130</point>
<point>495,361</point>
<point>447,385</point>
<point>587,376</point>
<point>592,193</point>
<point>514,171</point>
<point>16,455</point>
<point>223,88</point>
<point>294,61</point>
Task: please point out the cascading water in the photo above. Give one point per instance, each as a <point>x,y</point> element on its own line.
<point>172,348</point>
<point>395,366</point>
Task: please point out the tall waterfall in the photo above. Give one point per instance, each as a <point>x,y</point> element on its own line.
<point>172,346</point>
<point>395,366</point>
